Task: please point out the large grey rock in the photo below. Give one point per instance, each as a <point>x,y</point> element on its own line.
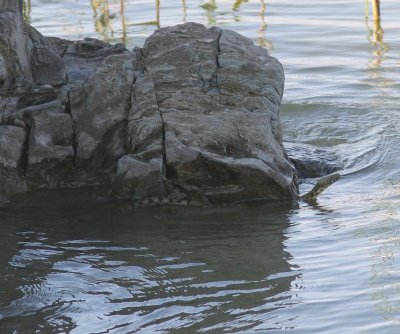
<point>218,98</point>
<point>195,111</point>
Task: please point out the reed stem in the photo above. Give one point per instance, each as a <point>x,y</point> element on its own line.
<point>376,10</point>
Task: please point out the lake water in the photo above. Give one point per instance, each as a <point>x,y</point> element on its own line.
<point>71,265</point>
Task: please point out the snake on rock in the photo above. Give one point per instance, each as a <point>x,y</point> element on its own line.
<point>197,200</point>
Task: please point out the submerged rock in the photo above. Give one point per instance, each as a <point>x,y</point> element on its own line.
<point>195,111</point>
<point>311,161</point>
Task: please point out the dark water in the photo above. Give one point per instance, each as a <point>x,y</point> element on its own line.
<point>102,267</point>
<point>71,265</point>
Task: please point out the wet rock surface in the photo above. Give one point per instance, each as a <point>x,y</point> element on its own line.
<point>195,111</point>
<point>311,161</point>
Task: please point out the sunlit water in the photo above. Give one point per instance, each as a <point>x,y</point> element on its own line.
<point>71,265</point>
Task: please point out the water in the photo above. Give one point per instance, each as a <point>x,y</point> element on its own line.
<point>72,265</point>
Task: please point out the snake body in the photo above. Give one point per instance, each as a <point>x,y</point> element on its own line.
<point>149,202</point>
<point>322,184</point>
<point>196,199</point>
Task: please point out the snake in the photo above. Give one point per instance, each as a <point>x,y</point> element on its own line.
<point>196,199</point>
<point>323,183</point>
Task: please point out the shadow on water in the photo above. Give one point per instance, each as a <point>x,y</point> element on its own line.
<point>70,263</point>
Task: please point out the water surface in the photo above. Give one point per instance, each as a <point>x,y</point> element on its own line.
<point>72,265</point>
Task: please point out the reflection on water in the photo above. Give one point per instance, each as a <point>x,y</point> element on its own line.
<point>262,31</point>
<point>236,5</point>
<point>376,70</point>
<point>375,35</point>
<point>27,10</point>
<point>123,20</point>
<point>184,11</point>
<point>210,7</point>
<point>109,14</point>
<point>100,266</point>
<point>102,18</point>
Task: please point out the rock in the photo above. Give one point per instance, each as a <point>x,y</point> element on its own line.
<point>24,116</point>
<point>7,106</point>
<point>12,140</point>
<point>82,58</point>
<point>311,161</point>
<point>145,143</point>
<point>12,5</point>
<point>12,146</point>
<point>47,66</point>
<point>14,56</point>
<point>3,71</point>
<point>51,153</point>
<point>49,146</point>
<point>4,203</point>
<point>218,96</point>
<point>26,57</point>
<point>140,178</point>
<point>194,113</point>
<point>100,111</point>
